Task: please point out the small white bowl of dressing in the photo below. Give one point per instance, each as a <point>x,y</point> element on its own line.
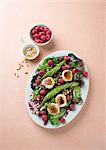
<point>30,51</point>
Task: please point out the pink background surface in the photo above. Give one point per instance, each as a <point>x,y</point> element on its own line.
<point>77,26</point>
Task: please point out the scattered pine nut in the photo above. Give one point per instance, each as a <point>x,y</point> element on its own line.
<point>17,76</point>
<point>26,60</point>
<point>19,68</point>
<point>22,66</point>
<point>26,72</point>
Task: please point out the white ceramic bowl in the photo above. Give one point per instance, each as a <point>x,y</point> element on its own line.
<point>41,44</point>
<point>30,45</point>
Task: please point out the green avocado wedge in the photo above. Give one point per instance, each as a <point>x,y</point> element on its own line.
<point>77,94</point>
<point>53,70</point>
<point>56,90</point>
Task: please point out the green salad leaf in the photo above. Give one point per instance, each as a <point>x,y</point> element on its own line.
<point>80,75</point>
<point>45,60</point>
<point>34,96</point>
<point>55,59</point>
<point>75,64</point>
<point>36,92</point>
<point>54,119</point>
<point>56,80</point>
<point>67,104</point>
<point>42,67</point>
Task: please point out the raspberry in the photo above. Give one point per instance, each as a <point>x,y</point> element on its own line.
<point>41,28</point>
<point>68,98</point>
<point>66,58</point>
<point>74,71</point>
<point>65,67</point>
<point>37,40</point>
<point>62,120</point>
<point>41,113</point>
<point>37,81</point>
<point>50,62</point>
<point>37,36</point>
<point>85,74</point>
<point>43,92</point>
<point>48,37</point>
<point>33,32</point>
<point>43,37</point>
<point>41,33</point>
<point>72,107</point>
<point>37,28</point>
<point>48,32</point>
<point>45,119</point>
<point>46,29</point>
<point>41,72</point>
<point>61,81</point>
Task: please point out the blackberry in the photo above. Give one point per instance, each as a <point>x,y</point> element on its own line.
<point>80,63</point>
<point>81,82</point>
<point>32,86</point>
<point>33,79</point>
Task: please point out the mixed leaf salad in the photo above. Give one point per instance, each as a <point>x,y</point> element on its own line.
<point>56,87</point>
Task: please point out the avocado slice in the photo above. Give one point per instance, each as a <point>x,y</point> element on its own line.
<point>77,94</point>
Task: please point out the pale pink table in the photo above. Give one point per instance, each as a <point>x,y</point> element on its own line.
<point>77,26</point>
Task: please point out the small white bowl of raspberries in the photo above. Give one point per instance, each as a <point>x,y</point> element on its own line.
<point>41,34</point>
